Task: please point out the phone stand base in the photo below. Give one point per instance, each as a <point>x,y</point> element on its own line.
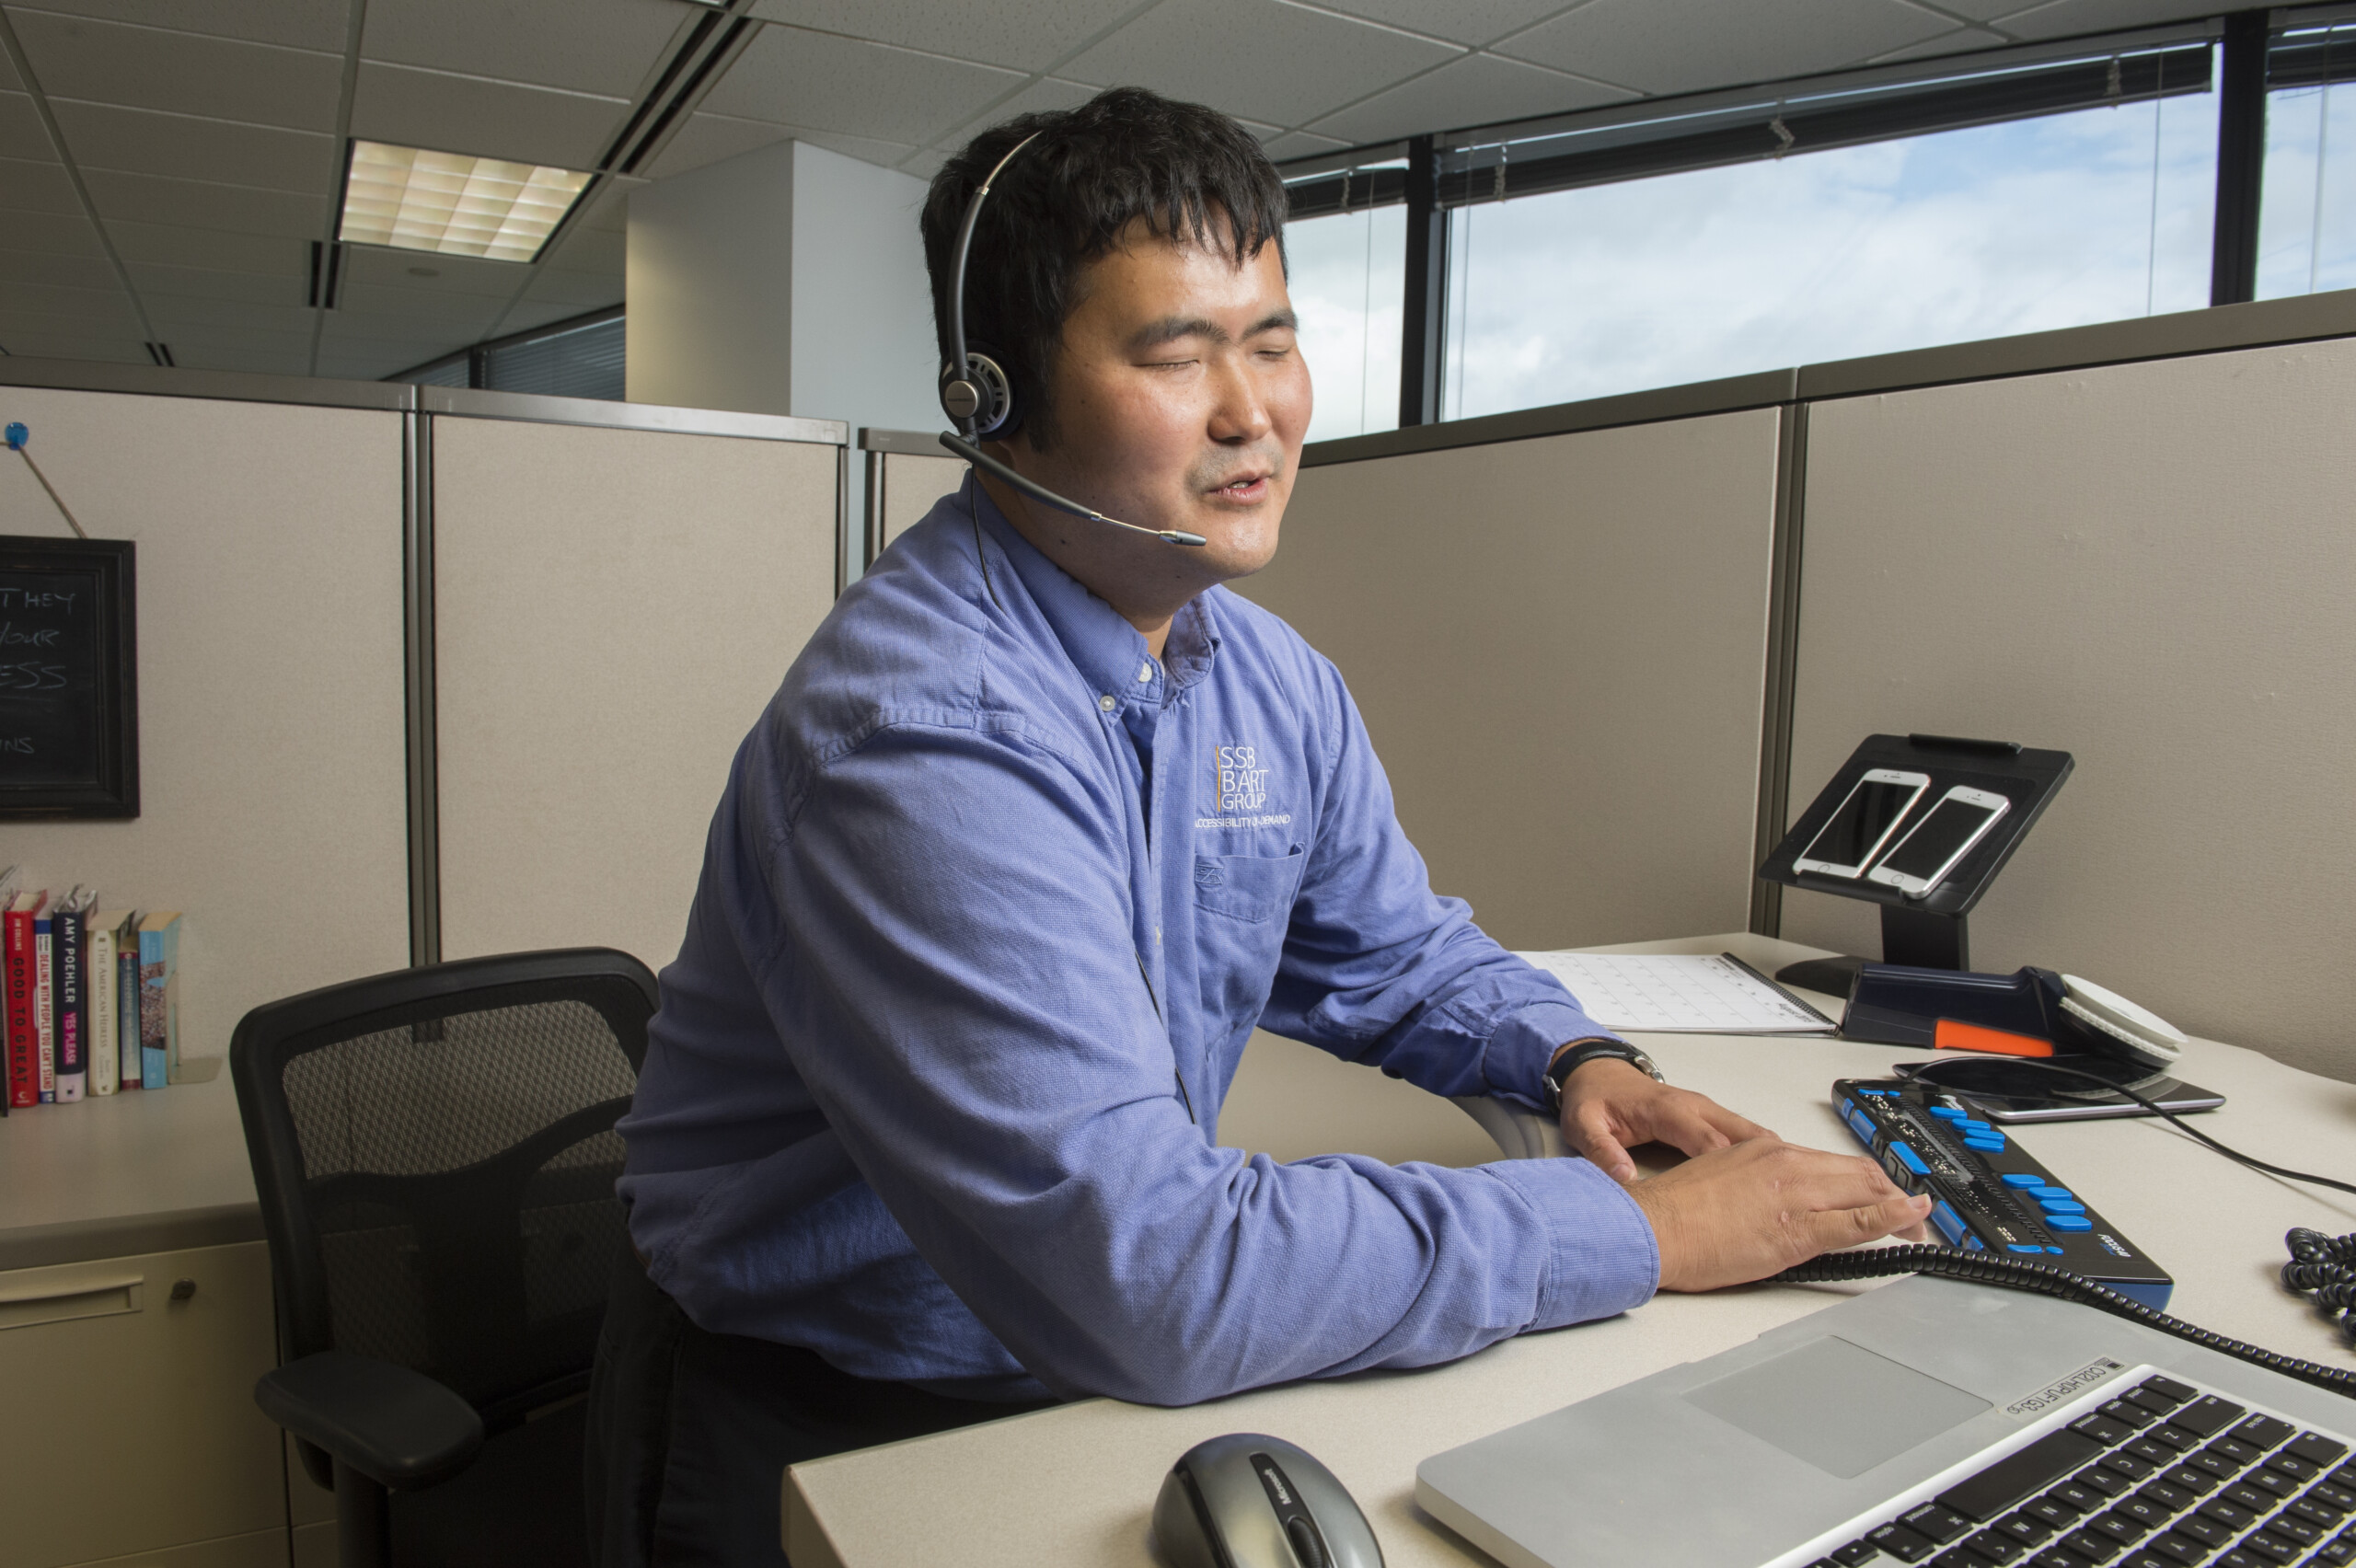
<point>1912,936</point>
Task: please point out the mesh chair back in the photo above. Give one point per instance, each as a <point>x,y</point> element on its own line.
<point>435,1157</point>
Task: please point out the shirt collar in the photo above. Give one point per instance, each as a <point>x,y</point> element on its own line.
<point>1106,650</point>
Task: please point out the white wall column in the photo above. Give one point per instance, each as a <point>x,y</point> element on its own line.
<point>789,280</point>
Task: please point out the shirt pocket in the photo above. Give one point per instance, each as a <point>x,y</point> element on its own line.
<point>1248,887</point>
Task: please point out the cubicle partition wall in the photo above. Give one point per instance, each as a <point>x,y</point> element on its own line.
<point>612,610</point>
<point>907,472</point>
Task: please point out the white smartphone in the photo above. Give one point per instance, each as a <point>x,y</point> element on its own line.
<point>1936,845</point>
<point>1865,822</point>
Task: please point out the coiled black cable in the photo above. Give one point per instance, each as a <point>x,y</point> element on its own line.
<point>2323,1269</point>
<point>2043,1279</point>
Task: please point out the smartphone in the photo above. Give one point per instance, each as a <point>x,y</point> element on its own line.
<point>1865,822</point>
<point>2010,1091</point>
<point>1933,846</point>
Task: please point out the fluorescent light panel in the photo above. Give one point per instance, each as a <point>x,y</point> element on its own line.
<point>453,205</point>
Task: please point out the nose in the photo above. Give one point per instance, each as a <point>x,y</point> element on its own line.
<point>1239,413</point>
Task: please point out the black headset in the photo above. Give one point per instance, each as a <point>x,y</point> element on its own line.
<point>981,399</point>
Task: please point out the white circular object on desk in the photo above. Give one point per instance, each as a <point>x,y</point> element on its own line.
<point>2149,1038</point>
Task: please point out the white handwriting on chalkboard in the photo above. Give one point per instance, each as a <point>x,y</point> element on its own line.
<point>36,599</point>
<point>32,677</point>
<point>18,745</point>
<point>45,637</point>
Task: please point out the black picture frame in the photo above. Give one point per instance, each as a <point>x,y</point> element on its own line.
<point>40,643</point>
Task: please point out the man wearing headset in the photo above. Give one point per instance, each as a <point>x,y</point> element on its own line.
<point>1042,824</point>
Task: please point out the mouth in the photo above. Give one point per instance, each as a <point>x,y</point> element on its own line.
<point>1243,489</point>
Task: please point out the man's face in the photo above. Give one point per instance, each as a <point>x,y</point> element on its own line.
<point>1179,402</point>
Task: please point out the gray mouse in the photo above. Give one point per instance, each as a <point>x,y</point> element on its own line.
<point>1248,1501</point>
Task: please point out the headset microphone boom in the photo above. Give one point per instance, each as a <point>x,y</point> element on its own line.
<point>977,394</point>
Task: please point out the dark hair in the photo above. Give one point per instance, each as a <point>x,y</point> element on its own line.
<point>1190,172</point>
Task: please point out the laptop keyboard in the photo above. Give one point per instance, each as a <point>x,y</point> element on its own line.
<point>2167,1474</point>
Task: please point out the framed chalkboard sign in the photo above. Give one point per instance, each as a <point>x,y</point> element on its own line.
<point>69,678</point>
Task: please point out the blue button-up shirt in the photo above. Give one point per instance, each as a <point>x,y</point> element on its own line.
<point>989,908</point>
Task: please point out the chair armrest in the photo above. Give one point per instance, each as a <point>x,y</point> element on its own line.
<point>1519,1134</point>
<point>397,1427</point>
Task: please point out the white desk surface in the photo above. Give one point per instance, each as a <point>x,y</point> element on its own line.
<point>145,1171</point>
<point>1076,1485</point>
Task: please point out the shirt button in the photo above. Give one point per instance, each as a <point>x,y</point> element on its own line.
<point>1145,671</point>
<point>1108,702</point>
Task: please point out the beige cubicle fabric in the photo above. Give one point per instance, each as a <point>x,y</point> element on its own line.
<point>613,608</point>
<point>910,486</point>
<point>271,738</point>
<point>2149,566</point>
<point>1559,645</point>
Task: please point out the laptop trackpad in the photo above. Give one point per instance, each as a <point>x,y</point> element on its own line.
<point>1842,1408</point>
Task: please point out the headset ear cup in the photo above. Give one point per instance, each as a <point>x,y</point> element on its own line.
<point>1000,414</point>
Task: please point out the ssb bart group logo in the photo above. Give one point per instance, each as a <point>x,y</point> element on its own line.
<point>1240,782</point>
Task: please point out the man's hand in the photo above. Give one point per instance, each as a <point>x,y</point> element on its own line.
<point>1609,1105</point>
<point>1740,1213</point>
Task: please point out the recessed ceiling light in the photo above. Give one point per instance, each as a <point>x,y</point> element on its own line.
<point>454,203</point>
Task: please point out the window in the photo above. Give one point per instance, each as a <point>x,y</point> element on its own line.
<point>2307,237</point>
<point>580,358</point>
<point>1346,251</point>
<point>1815,227</point>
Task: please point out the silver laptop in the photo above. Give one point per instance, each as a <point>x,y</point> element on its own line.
<point>1927,1421</point>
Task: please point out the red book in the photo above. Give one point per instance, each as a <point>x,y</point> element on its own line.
<point>17,953</point>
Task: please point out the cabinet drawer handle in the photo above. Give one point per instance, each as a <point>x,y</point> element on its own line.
<point>103,1298</point>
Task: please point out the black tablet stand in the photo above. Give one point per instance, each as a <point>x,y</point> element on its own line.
<point>1926,932</point>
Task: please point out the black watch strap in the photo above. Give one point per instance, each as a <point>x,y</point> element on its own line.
<point>1578,1053</point>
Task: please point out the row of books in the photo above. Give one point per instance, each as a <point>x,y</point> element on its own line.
<point>92,994</point>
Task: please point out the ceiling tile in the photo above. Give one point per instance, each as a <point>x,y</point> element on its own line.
<point>54,233</point>
<point>272,359</point>
<point>1475,90</point>
<point>590,250</point>
<point>145,142</point>
<point>274,255</point>
<point>1282,64</point>
<point>883,154</point>
<point>53,299</point>
<point>186,73</point>
<point>588,46</point>
<point>577,291</point>
<point>1044,96</point>
<point>435,274</point>
<point>474,114</point>
<point>428,311</point>
<point>1302,144</point>
<point>528,314</point>
<point>8,77</point>
<point>711,138</point>
<point>298,24</point>
<point>57,338</point>
<point>2064,18</point>
<point>1029,35</point>
<point>1465,21</point>
<point>183,313</point>
<point>49,267</point>
<point>924,165</point>
<point>152,278</point>
<point>22,135</point>
<point>1961,40</point>
<point>1674,46</point>
<point>36,187</point>
<point>202,203</point>
<point>790,77</point>
<point>608,206</point>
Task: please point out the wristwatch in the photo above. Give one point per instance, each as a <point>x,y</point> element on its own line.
<point>1578,1055</point>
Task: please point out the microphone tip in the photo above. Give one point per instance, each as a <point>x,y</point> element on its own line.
<point>1176,538</point>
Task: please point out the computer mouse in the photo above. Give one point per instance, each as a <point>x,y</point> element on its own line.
<point>1250,1501</point>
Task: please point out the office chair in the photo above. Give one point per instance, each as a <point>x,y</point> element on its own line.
<point>436,1156</point>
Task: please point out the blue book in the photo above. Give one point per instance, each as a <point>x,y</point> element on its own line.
<point>159,997</point>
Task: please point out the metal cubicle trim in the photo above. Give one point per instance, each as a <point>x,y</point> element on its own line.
<point>906,443</point>
<point>878,444</point>
<point>229,385</point>
<point>1781,680</point>
<point>419,707</point>
<point>534,408</point>
<point>2260,324</point>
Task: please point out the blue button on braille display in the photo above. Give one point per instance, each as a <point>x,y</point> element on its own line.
<point>1985,1146</point>
<point>1948,1113</point>
<point>1969,1125</point>
<point>2055,1251</point>
<point>2067,1222</point>
<point>1950,1224</point>
<point>2060,1206</point>
<point>2022,1179</point>
<point>2020,1247</point>
<point>1908,1158</point>
<point>2051,1192</point>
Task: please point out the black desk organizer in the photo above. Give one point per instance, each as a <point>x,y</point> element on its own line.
<point>1926,932</point>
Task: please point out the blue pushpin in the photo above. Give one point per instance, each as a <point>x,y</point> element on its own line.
<point>17,435</point>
